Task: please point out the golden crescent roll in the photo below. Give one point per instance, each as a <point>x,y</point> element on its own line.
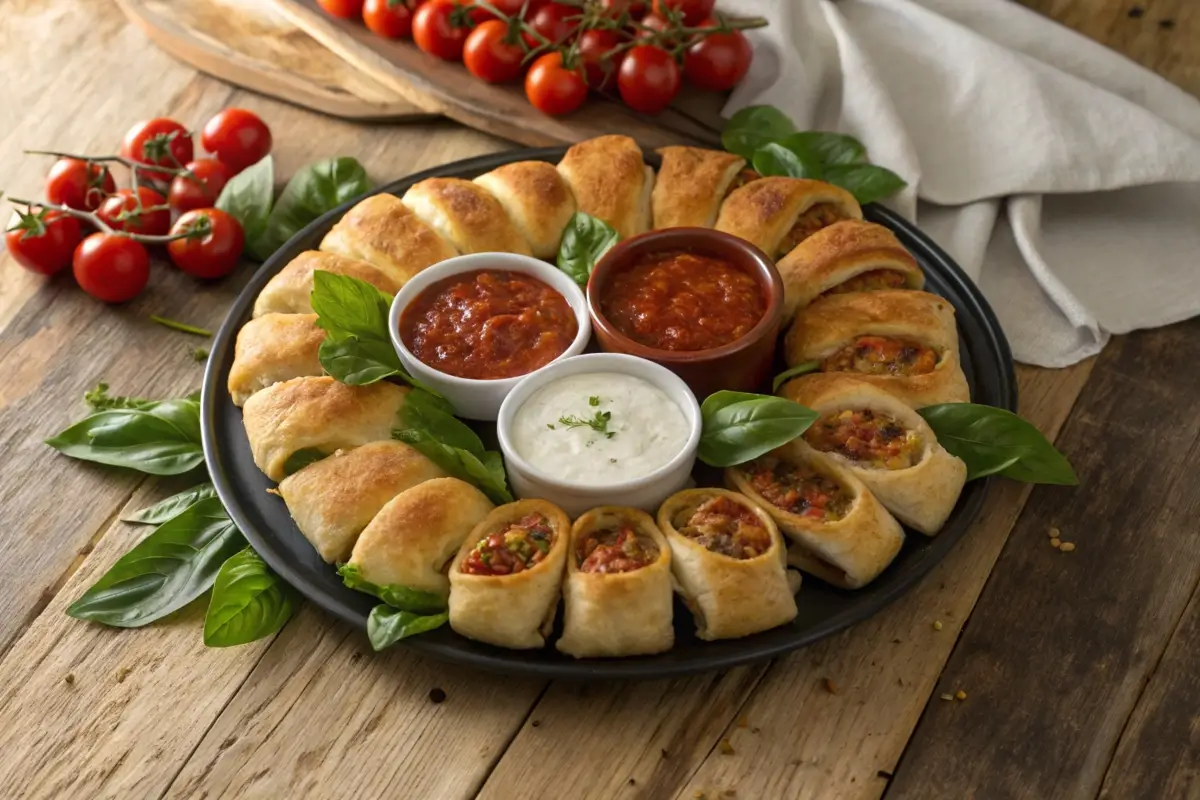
<point>274,348</point>
<point>885,444</point>
<point>333,500</point>
<point>730,596</point>
<point>386,233</point>
<point>903,341</point>
<point>513,609</point>
<point>848,256</point>
<point>290,291</point>
<point>617,598</point>
<point>838,530</point>
<point>611,181</point>
<point>691,184</point>
<point>319,414</point>
<point>466,215</point>
<point>775,214</point>
<point>536,199</point>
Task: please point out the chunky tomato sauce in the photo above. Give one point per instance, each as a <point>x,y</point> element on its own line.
<point>871,281</point>
<point>678,300</point>
<point>515,548</point>
<point>615,550</point>
<point>873,440</point>
<point>727,528</point>
<point>882,355</point>
<point>488,324</point>
<point>822,215</point>
<point>798,489</point>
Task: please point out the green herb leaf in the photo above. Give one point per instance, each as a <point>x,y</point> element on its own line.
<point>347,306</point>
<point>98,399</point>
<point>430,414</point>
<point>158,438</point>
<point>248,197</point>
<point>598,422</point>
<point>775,159</point>
<point>172,506</point>
<point>356,362</point>
<point>739,426</point>
<point>866,182</point>
<point>753,127</point>
<point>395,595</point>
<point>301,459</point>
<point>826,148</point>
<point>312,191</point>
<point>481,471</point>
<point>993,441</point>
<point>387,625</point>
<point>794,372</point>
<point>248,602</point>
<point>165,571</point>
<point>585,241</point>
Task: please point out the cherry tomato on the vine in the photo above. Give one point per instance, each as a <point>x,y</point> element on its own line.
<point>440,30</point>
<point>595,51</point>
<point>202,190</point>
<point>556,22</point>
<point>649,79</point>
<point>717,61</point>
<point>491,53</point>
<point>694,11</point>
<point>125,211</point>
<point>652,24</point>
<point>615,8</point>
<point>346,9</point>
<point>43,241</point>
<point>511,8</point>
<point>215,246</point>
<point>158,141</point>
<point>391,19</point>
<point>552,88</point>
<point>79,184</point>
<point>111,267</point>
<point>236,137</point>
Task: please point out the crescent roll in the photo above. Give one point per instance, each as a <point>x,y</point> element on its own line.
<point>611,181</point>
<point>506,579</point>
<point>274,348</point>
<point>466,215</point>
<point>290,291</point>
<point>691,184</point>
<point>537,200</point>
<point>838,530</point>
<point>729,561</point>
<point>386,233</point>
<point>415,535</point>
<point>333,500</point>
<point>617,598</point>
<point>317,414</point>
<point>903,341</point>
<point>775,214</point>
<point>885,444</point>
<point>848,256</point>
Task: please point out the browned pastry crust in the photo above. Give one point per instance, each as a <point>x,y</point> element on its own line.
<point>536,198</point>
<point>774,213</point>
<point>290,291</point>
<point>274,348</point>
<point>611,181</point>
<point>691,184</point>
<point>466,215</point>
<point>385,232</point>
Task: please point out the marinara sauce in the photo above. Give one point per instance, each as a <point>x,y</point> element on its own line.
<point>677,300</point>
<point>488,324</point>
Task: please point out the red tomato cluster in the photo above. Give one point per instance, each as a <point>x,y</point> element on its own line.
<point>641,49</point>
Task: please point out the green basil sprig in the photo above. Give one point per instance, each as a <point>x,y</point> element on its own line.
<point>311,192</point>
<point>247,198</point>
<point>405,612</point>
<point>584,242</point>
<point>301,459</point>
<point>755,126</point>
<point>395,595</point>
<point>739,426</point>
<point>172,506</point>
<point>99,399</point>
<point>794,372</point>
<point>248,602</point>
<point>387,625</point>
<point>993,441</point>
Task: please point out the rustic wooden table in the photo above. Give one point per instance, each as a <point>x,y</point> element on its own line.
<point>1077,667</point>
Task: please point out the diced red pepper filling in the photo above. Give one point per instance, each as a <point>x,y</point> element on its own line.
<point>798,489</point>
<point>871,281</point>
<point>728,528</point>
<point>871,439</point>
<point>515,548</point>
<point>822,215</point>
<point>882,355</point>
<point>615,550</point>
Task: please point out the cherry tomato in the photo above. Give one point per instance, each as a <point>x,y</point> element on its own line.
<point>595,48</point>
<point>717,61</point>
<point>694,11</point>
<point>214,249</point>
<point>439,30</point>
<point>125,211</point>
<point>75,183</point>
<point>44,241</point>
<point>491,54</point>
<point>346,9</point>
<point>649,79</point>
<point>552,88</point>
<point>158,141</point>
<point>237,137</point>
<point>391,19</point>
<point>615,8</point>
<point>111,267</point>
<point>656,24</point>
<point>556,22</point>
<point>202,191</point>
<point>511,8</point>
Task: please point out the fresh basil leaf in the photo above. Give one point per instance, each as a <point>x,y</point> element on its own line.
<point>312,191</point>
<point>387,625</point>
<point>248,197</point>
<point>425,412</point>
<point>866,182</point>
<point>301,459</point>
<point>172,506</point>
<point>826,148</point>
<point>584,242</point>
<point>775,159</point>
<point>493,462</point>
<point>98,399</point>
<point>165,571</point>
<point>347,306</point>
<point>161,438</point>
<point>739,426</point>
<point>248,602</point>
<point>461,464</point>
<point>356,362</point>
<point>794,372</point>
<point>993,441</point>
<point>754,126</point>
<point>395,595</point>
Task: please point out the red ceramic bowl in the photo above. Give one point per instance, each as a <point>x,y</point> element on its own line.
<point>742,365</point>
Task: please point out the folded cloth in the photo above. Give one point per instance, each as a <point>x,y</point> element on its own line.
<point>982,105</point>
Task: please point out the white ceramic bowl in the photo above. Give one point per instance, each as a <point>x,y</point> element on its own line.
<point>481,399</point>
<point>647,491</point>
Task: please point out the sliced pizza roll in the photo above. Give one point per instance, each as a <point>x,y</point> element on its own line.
<point>691,184</point>
<point>290,291</point>
<point>848,256</point>
<point>885,444</point>
<point>611,181</point>
<point>506,579</point>
<point>617,598</point>
<point>902,341</point>
<point>837,529</point>
<point>466,215</point>
<point>316,415</point>
<point>274,348</point>
<point>386,233</point>
<point>729,560</point>
<point>333,500</point>
<point>537,199</point>
<point>413,538</point>
<point>775,214</point>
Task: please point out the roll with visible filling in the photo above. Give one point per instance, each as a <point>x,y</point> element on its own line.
<point>776,214</point>
<point>384,232</point>
<point>290,291</point>
<point>611,181</point>
<point>274,348</point>
<point>691,184</point>
<point>466,215</point>
<point>537,199</point>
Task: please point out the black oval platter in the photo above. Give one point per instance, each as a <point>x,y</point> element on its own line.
<point>824,610</point>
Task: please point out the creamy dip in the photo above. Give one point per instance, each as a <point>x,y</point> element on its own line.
<point>598,429</point>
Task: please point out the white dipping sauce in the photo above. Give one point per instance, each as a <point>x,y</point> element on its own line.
<point>647,429</point>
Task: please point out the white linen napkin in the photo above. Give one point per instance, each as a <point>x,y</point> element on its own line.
<point>984,106</point>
